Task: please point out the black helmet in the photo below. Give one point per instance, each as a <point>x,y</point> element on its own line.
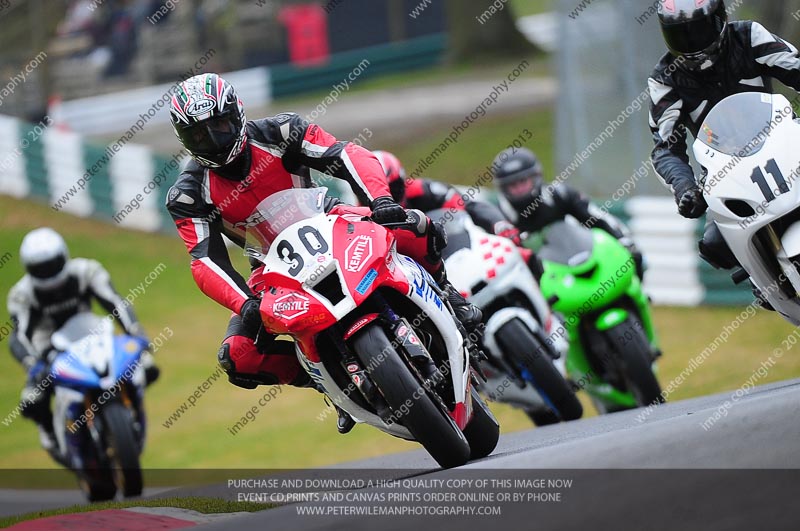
<point>694,30</point>
<point>209,119</point>
<point>518,176</point>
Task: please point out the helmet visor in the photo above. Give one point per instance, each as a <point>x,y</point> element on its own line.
<point>48,268</point>
<point>695,36</point>
<point>214,136</point>
<point>523,186</point>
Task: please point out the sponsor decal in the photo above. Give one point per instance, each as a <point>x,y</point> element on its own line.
<point>357,379</point>
<point>352,367</point>
<point>290,306</point>
<point>252,220</point>
<point>358,325</point>
<point>358,253</point>
<point>402,330</point>
<point>421,283</point>
<point>315,319</point>
<point>196,108</point>
<point>367,281</point>
<point>390,265</point>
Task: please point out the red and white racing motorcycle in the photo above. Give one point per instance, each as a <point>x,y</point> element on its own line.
<point>371,327</point>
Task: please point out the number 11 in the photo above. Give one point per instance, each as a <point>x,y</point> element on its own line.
<point>759,178</point>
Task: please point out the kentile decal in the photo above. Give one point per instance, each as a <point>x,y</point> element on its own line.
<point>358,253</point>
<point>367,281</point>
<point>290,306</point>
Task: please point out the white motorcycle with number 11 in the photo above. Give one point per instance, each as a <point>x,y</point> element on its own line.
<point>750,146</point>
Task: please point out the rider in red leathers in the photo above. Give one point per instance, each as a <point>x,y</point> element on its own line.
<point>237,164</point>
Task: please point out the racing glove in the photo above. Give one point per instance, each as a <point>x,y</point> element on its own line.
<point>691,203</point>
<point>386,210</point>
<point>251,316</point>
<point>506,229</point>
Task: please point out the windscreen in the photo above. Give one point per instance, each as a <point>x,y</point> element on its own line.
<point>565,242</point>
<point>279,211</point>
<point>739,125</point>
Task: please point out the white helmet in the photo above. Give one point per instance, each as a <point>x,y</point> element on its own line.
<point>44,255</point>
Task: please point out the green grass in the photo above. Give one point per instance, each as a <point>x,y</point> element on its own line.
<point>464,161</point>
<point>531,7</point>
<point>200,504</point>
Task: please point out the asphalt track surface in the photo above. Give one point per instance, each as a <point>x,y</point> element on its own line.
<point>665,471</point>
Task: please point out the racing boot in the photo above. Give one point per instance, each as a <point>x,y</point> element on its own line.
<point>345,422</point>
<point>151,370</point>
<point>469,315</point>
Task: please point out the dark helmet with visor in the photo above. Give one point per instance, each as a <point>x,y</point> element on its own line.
<point>694,30</point>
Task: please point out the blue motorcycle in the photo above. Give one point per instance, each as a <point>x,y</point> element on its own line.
<point>98,412</point>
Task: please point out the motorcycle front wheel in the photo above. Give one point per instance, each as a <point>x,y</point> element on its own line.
<point>410,403</point>
<point>634,360</point>
<point>122,450</point>
<point>524,351</point>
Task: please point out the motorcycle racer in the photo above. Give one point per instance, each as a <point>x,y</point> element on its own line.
<point>532,206</point>
<point>709,59</point>
<point>54,289</point>
<point>238,163</point>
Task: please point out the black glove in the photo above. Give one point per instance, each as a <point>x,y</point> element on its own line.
<point>386,210</point>
<point>691,203</point>
<point>251,316</point>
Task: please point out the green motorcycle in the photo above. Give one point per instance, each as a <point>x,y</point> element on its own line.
<point>590,278</point>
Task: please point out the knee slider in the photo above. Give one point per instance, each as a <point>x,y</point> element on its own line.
<point>224,358</point>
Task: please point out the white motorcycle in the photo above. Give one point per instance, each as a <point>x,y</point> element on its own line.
<point>526,366</point>
<point>748,145</point>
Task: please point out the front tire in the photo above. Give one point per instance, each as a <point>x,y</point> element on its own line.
<point>123,450</point>
<point>97,484</point>
<point>633,355</point>
<point>525,351</point>
<point>426,421</point>
<point>483,430</point>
